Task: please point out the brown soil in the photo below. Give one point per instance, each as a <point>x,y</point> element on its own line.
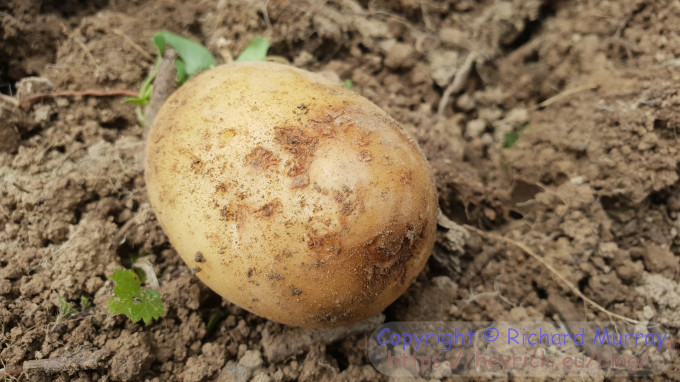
<point>592,183</point>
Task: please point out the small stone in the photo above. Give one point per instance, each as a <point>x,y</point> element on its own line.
<point>400,56</point>
<point>42,113</point>
<point>465,102</point>
<point>475,128</point>
<point>5,286</point>
<point>29,86</point>
<point>261,377</point>
<point>659,259</point>
<point>234,373</point>
<point>252,359</point>
<point>577,180</point>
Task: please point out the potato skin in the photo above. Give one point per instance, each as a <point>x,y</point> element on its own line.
<point>289,195</point>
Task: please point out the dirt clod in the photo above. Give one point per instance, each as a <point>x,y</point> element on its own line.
<point>550,123</point>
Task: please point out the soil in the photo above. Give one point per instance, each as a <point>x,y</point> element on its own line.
<point>591,184</point>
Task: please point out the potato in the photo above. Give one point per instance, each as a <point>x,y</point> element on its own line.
<point>289,195</point>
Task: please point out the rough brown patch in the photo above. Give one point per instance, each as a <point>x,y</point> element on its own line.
<point>324,243</point>
<point>198,257</point>
<point>406,177</point>
<point>301,144</point>
<point>261,159</point>
<point>387,253</point>
<point>268,209</point>
<point>347,205</point>
<point>221,188</point>
<point>274,276</point>
<point>229,212</point>
<point>365,156</point>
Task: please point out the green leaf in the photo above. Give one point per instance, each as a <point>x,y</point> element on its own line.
<point>349,84</point>
<point>147,88</point>
<point>255,51</point>
<point>193,57</point>
<point>84,303</point>
<point>66,310</point>
<point>510,140</point>
<point>127,284</point>
<point>215,320</point>
<point>132,300</point>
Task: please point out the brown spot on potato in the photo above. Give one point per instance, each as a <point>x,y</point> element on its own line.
<point>365,156</point>
<point>198,257</point>
<point>386,256</point>
<point>268,209</point>
<point>346,204</point>
<point>228,212</point>
<point>295,291</point>
<point>302,145</point>
<point>301,109</point>
<point>274,276</point>
<point>221,188</point>
<point>300,181</point>
<point>197,166</point>
<point>196,269</point>
<point>326,243</point>
<point>406,177</point>
<point>261,158</point>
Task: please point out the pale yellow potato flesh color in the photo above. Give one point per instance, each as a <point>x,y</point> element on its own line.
<point>289,195</point>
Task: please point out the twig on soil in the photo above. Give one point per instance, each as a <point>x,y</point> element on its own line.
<point>540,259</point>
<point>88,93</point>
<point>82,359</point>
<point>566,94</point>
<point>458,81</point>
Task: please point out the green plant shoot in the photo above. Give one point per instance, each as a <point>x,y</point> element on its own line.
<point>193,57</point>
<point>511,138</point>
<point>255,51</point>
<point>66,310</point>
<point>132,300</point>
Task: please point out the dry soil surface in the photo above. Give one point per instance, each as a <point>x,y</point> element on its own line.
<point>590,87</point>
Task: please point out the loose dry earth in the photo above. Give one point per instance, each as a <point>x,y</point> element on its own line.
<point>592,183</point>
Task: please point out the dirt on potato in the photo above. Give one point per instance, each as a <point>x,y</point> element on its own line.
<point>551,123</point>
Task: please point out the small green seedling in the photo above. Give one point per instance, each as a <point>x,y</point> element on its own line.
<point>349,84</point>
<point>193,58</point>
<point>511,138</point>
<point>132,300</point>
<point>214,321</point>
<point>66,311</point>
<point>84,303</point>
<point>255,51</point>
